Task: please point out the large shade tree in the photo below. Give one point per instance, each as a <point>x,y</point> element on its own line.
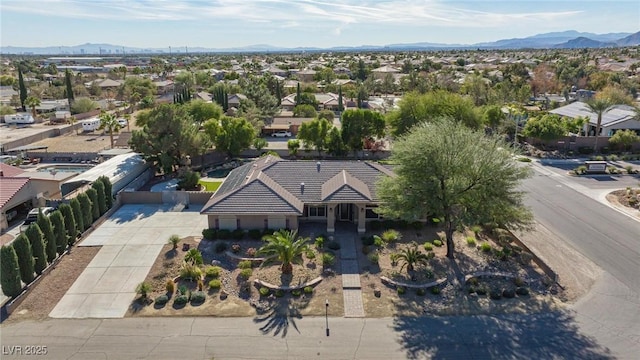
<point>449,171</point>
<point>284,246</point>
<point>230,135</point>
<point>358,125</point>
<point>314,133</point>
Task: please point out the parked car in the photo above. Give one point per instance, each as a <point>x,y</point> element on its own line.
<point>122,122</point>
<point>33,214</point>
<point>281,134</point>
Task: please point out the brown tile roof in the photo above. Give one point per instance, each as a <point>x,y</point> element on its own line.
<point>9,187</point>
<point>10,171</point>
<point>344,187</point>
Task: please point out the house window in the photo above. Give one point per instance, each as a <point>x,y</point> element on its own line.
<point>317,211</point>
<point>370,213</point>
<point>238,223</point>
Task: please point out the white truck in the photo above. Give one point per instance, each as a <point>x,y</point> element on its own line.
<point>19,119</point>
<point>91,124</point>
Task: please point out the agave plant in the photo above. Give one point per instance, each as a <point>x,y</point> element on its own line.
<point>285,247</point>
<point>411,257</point>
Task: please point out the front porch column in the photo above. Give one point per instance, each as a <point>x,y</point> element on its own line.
<point>331,218</point>
<point>362,225</point>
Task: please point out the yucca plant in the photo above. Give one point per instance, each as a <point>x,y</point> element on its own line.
<point>144,288</point>
<point>411,257</point>
<point>174,240</point>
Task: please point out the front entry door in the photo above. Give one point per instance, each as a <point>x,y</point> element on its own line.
<point>345,212</point>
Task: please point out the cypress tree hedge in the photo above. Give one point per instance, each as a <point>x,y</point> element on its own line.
<point>77,214</point>
<point>34,235</point>
<point>102,200</point>
<point>59,231</point>
<point>92,194</point>
<point>107,191</point>
<point>85,206</point>
<point>69,223</point>
<point>22,248</point>
<point>10,275</point>
<point>49,238</point>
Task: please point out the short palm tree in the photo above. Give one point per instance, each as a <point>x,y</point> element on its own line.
<point>599,107</point>
<point>411,257</point>
<point>109,123</point>
<point>32,102</point>
<point>194,257</point>
<point>284,246</point>
<point>144,288</point>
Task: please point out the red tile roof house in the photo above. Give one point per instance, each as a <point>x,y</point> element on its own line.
<point>273,193</point>
<point>14,191</point>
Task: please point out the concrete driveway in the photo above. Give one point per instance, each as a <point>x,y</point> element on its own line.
<point>131,241</point>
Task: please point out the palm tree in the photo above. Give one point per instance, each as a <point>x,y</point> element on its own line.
<point>144,288</point>
<point>109,123</point>
<point>284,246</point>
<point>32,102</point>
<point>411,257</point>
<point>599,107</point>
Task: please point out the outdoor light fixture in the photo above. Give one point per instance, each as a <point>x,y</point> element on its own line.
<point>326,314</point>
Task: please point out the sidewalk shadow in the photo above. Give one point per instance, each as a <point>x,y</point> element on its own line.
<point>552,335</point>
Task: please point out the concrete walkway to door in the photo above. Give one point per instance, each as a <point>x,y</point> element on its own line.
<point>131,240</point>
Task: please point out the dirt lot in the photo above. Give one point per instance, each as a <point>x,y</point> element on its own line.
<point>46,294</point>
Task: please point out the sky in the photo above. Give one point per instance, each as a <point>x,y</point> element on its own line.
<point>297,23</point>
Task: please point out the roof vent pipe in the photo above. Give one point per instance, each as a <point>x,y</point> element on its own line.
<point>302,188</point>
<point>318,166</point>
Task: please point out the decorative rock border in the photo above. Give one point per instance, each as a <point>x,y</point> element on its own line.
<point>240,258</point>
<point>487,274</point>
<point>386,280</point>
<point>286,288</point>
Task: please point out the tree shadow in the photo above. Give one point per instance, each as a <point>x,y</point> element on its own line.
<point>278,314</point>
<point>549,335</point>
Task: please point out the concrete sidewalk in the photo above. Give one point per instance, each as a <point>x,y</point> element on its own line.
<point>131,241</point>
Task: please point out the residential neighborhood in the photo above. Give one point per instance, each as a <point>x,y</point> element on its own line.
<point>361,203</point>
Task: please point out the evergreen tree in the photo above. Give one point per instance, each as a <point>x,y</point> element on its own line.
<point>49,238</point>
<point>278,93</point>
<point>10,275</point>
<point>23,89</point>
<point>69,86</point>
<point>77,214</point>
<point>34,235</point>
<point>107,190</point>
<point>102,201</point>
<point>87,213</point>
<point>25,258</point>
<point>60,232</point>
<point>69,223</point>
<point>298,95</point>
<point>340,105</point>
<point>95,208</point>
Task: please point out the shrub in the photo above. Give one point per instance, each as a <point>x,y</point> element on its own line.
<point>508,293</point>
<point>48,236</point>
<point>238,234</point>
<point>394,258</point>
<point>367,240</point>
<point>471,241</point>
<point>391,235</point>
<point>198,297</point>
<point>500,255</point>
<point>161,300</point>
<point>585,150</point>
<point>194,256</point>
<point>308,290</point>
<point>428,246</point>
<point>333,245</point>
<point>518,281</point>
<point>76,209</point>
<point>437,243</point>
<point>182,290</point>
<point>85,206</point>
<point>612,170</point>
<point>264,291</point>
<point>374,257</point>
<point>245,264</point>
<point>522,291</point>
<point>235,248</point>
<point>143,289</point>
<point>319,242</point>
<point>629,169</point>
<point>251,252</point>
<point>102,201</point>
<point>246,273</point>
<point>34,235</point>
<point>174,240</point>
<point>421,292</point>
<point>524,159</point>
<point>377,241</point>
<point>170,286</point>
<point>69,223</point>
<point>310,254</point>
<point>486,247</point>
<point>495,294</point>
<point>401,290</point>
<point>481,290</point>
<point>224,234</point>
<point>59,231</point>
<point>215,284</point>
<point>181,300</point>
<point>93,197</point>
<point>24,255</point>
<point>435,290</point>
<point>328,259</point>
<point>474,281</point>
<point>279,293</point>
<point>212,271</point>
<point>580,170</point>
<point>296,292</point>
<point>254,234</point>
<point>200,285</point>
<point>10,274</point>
<point>210,234</point>
<point>220,247</point>
<point>190,271</point>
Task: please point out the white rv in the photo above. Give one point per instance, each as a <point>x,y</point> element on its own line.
<point>24,118</point>
<point>90,124</point>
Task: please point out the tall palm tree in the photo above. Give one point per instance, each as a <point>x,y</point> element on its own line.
<point>284,246</point>
<point>32,102</point>
<point>599,107</point>
<point>109,123</point>
<point>411,257</point>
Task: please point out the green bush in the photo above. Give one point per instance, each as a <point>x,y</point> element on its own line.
<point>308,290</point>
<point>246,273</point>
<point>24,255</point>
<point>69,223</point>
<point>254,234</point>
<point>215,284</point>
<point>48,236</point>
<point>437,242</point>
<point>486,247</point>
<point>170,286</point>
<point>296,292</point>
<point>210,234</point>
<point>421,292</point>
<point>174,240</point>
<point>401,290</point>
<point>181,300</point>
<point>435,290</point>
<point>524,159</point>
<point>264,291</point>
<point>391,235</point>
<point>245,264</point>
<point>482,290</point>
<point>367,240</point>
<point>161,300</point>
<point>471,241</point>
<point>190,271</point>
<point>374,257</point>
<point>319,242</point>
<point>238,234</point>
<point>334,245</point>
<point>10,274</point>
<point>59,232</point>
<point>518,281</point>
<point>93,197</point>
<point>224,234</point>
<point>428,246</point>
<point>102,201</point>
<point>108,189</point>
<point>34,235</point>
<point>508,293</point>
<point>279,293</point>
<point>377,241</point>
<point>85,206</point>
<point>328,259</point>
<point>212,271</point>
<point>76,209</point>
<point>495,294</point>
<point>197,297</point>
<point>220,247</point>
<point>522,291</point>
<point>310,254</point>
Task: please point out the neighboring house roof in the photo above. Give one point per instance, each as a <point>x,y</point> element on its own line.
<point>9,187</point>
<point>386,69</point>
<point>203,95</point>
<point>616,115</point>
<point>273,185</point>
<point>163,83</point>
<point>10,171</point>
<point>7,92</point>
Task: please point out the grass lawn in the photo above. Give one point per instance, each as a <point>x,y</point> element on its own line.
<point>210,185</point>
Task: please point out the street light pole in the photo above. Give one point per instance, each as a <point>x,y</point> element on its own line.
<point>326,314</point>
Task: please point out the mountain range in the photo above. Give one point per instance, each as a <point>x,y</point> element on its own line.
<point>570,39</point>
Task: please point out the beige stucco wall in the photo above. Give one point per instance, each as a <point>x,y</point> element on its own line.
<point>49,188</point>
<point>248,222</point>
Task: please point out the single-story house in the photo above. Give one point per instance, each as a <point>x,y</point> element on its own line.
<point>273,193</point>
<point>621,117</point>
<point>381,72</point>
<point>306,75</point>
<point>164,86</point>
<point>328,101</point>
<point>284,123</point>
<point>233,100</point>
